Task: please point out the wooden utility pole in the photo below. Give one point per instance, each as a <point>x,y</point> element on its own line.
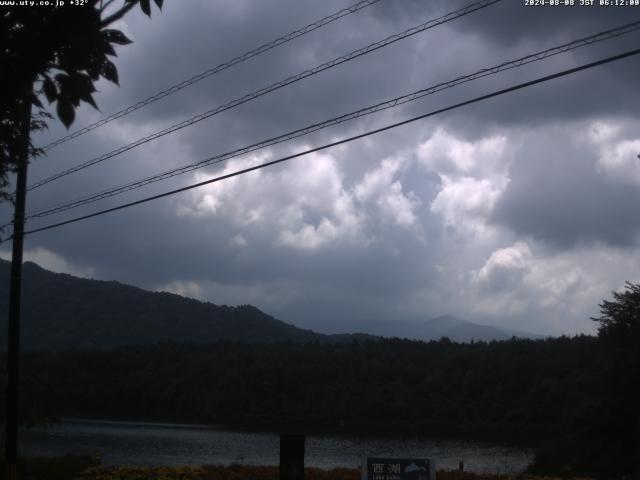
<point>13,347</point>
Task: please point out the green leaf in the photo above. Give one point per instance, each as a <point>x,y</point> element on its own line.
<point>109,71</point>
<point>66,113</point>
<point>145,5</point>
<point>159,3</point>
<point>116,36</point>
<point>49,89</point>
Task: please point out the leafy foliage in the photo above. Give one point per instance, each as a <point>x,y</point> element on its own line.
<point>618,429</point>
<point>620,319</point>
<point>143,473</point>
<point>85,468</point>
<point>604,439</point>
<point>54,468</point>
<point>54,54</point>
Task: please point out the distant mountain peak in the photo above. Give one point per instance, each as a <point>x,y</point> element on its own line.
<point>426,329</point>
<point>448,320</point>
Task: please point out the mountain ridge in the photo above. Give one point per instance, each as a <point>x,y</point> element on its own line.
<point>87,313</point>
<point>96,313</point>
<point>427,329</point>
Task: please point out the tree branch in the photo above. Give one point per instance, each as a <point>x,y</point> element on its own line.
<point>118,15</point>
<point>106,5</point>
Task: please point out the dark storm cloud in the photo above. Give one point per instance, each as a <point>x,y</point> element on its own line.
<point>557,195</point>
<point>214,38</point>
<point>341,89</point>
<point>514,22</point>
<point>601,91</point>
<point>139,246</point>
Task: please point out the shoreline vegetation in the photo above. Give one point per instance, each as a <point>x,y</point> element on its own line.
<point>79,467</point>
<point>516,392</point>
<point>576,397</point>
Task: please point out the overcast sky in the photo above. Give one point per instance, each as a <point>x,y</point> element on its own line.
<point>519,212</point>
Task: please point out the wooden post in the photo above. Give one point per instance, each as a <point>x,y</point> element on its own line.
<point>291,456</point>
<point>13,339</point>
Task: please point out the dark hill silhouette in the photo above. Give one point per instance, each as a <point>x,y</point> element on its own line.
<point>61,312</point>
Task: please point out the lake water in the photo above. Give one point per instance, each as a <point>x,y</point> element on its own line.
<point>128,443</point>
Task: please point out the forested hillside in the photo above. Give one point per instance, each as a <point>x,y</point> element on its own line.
<point>61,312</point>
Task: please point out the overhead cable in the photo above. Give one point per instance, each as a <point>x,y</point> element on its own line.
<point>534,57</point>
<point>275,86</point>
<point>345,140</point>
<point>217,69</point>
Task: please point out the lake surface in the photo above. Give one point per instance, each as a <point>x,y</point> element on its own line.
<point>151,444</point>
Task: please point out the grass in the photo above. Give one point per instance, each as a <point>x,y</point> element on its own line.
<point>76,467</point>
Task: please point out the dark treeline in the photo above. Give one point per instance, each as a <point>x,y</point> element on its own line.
<point>518,390</point>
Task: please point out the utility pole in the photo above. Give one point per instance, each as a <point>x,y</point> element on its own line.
<point>13,347</point>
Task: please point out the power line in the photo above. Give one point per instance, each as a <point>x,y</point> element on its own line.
<point>275,86</point>
<point>534,57</point>
<point>217,69</point>
<point>346,140</point>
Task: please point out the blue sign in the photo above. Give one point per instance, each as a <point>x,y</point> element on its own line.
<point>398,469</point>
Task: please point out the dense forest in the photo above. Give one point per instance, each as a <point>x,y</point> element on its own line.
<point>519,390</point>
<point>238,367</point>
